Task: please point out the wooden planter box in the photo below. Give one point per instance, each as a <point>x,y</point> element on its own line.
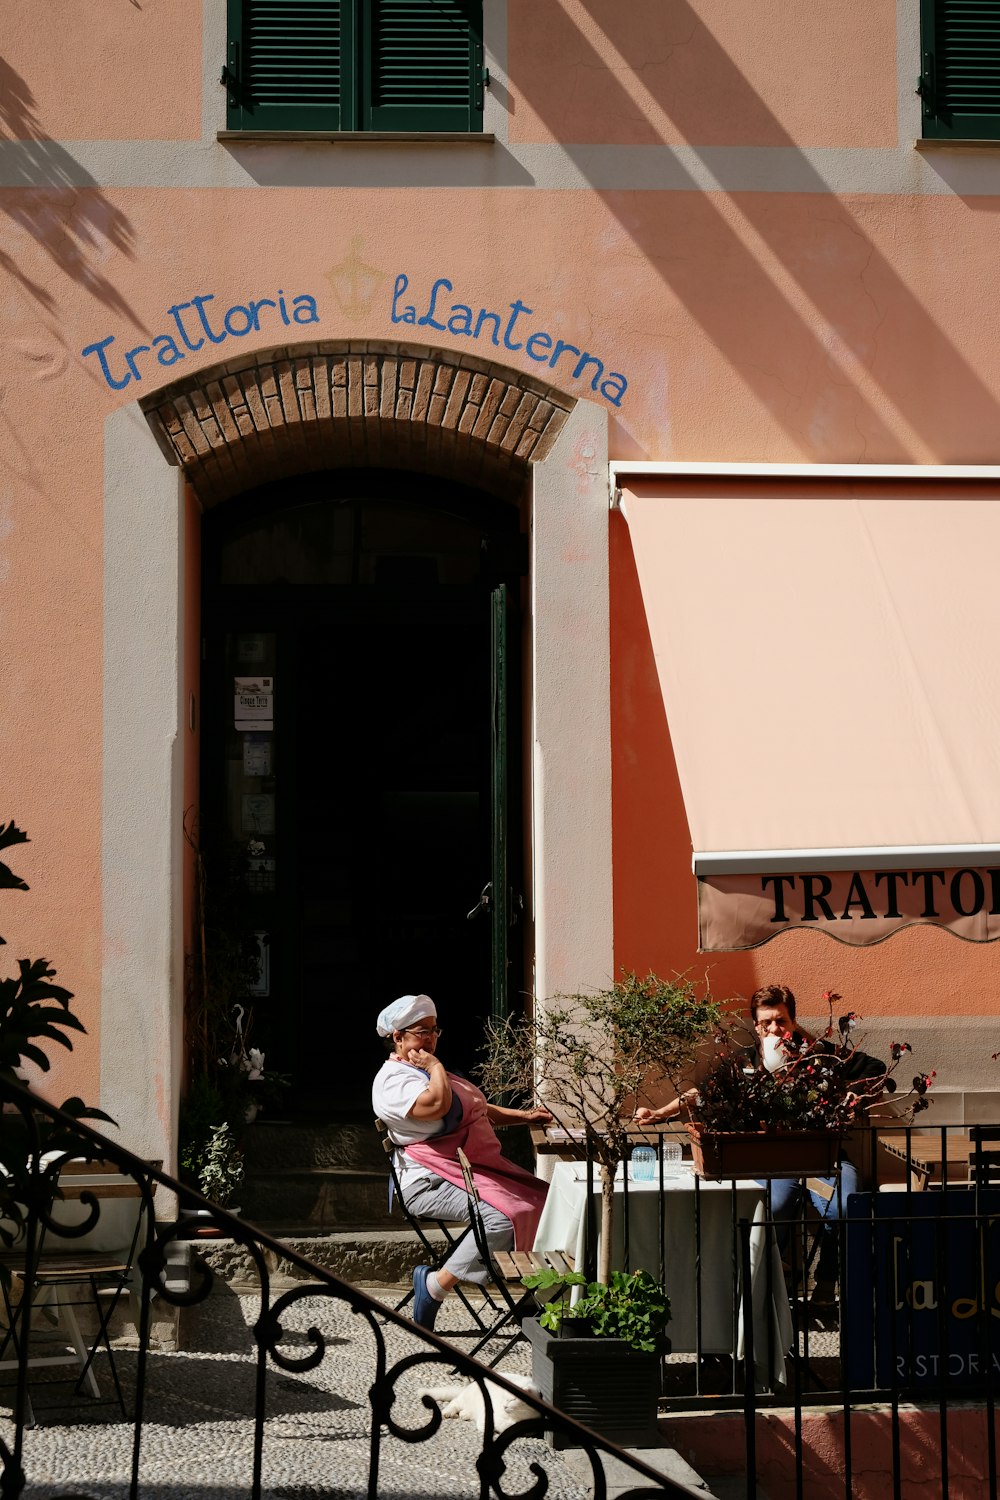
<point>600,1382</point>
<point>764,1153</point>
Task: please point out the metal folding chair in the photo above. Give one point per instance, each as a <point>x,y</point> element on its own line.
<point>454,1232</point>
<point>505,1269</point>
<point>67,1274</point>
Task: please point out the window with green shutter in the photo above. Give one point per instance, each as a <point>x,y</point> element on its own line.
<point>960,69</point>
<point>388,65</point>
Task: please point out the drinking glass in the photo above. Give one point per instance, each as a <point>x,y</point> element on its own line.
<point>672,1158</point>
<point>643,1166</point>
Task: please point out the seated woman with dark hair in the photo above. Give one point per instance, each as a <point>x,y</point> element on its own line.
<point>431,1113</point>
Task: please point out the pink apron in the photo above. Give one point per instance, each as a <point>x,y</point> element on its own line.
<point>501,1184</point>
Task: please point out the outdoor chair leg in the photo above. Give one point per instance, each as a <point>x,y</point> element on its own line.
<point>104,1321</point>
<point>514,1315</point>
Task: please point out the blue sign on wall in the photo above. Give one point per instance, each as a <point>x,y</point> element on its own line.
<point>923,1288</point>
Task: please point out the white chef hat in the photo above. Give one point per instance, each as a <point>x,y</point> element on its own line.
<point>403,1012</point>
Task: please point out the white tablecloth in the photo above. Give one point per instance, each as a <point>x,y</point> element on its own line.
<point>563,1227</point>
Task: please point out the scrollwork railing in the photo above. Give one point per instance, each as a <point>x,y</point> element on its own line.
<point>40,1148</point>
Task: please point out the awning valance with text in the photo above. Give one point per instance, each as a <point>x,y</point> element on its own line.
<point>829,657</point>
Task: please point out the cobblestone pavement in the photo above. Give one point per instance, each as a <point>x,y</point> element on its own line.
<point>198,1431</point>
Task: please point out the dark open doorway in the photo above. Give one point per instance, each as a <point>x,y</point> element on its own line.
<point>354,808</point>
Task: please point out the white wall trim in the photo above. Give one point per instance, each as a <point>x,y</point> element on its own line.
<point>637,467</point>
<point>142,787</point>
<point>571,711</point>
<point>623,470</point>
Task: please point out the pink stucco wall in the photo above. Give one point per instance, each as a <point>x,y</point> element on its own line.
<point>99,72</point>
<point>704,73</point>
<point>769,327</point>
<point>773,318</point>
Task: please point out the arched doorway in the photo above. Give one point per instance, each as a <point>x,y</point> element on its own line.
<point>361,820</point>
<point>265,416</point>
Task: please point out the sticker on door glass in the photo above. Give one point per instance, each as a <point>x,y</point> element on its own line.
<point>254,705</point>
<point>256,755</point>
<point>257,812</point>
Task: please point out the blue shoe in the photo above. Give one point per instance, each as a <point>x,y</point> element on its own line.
<point>425,1307</point>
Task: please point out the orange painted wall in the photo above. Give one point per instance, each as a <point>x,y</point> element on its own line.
<point>799,324</point>
<point>103,72</point>
<point>50,725</point>
<point>704,72</point>
<point>767,327</point>
<point>922,972</point>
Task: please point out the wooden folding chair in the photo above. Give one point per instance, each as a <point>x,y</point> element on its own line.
<point>92,1270</point>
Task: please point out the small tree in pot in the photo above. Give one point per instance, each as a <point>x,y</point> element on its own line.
<point>590,1058</point>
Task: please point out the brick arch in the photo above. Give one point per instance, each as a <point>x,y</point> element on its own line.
<point>347,404</point>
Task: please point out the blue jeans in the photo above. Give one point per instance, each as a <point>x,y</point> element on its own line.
<point>785,1200</point>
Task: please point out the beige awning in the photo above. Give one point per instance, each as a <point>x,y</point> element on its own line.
<point>829,657</point>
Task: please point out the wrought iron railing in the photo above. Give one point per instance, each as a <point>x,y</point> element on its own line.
<point>37,1145</point>
<point>909,1347</point>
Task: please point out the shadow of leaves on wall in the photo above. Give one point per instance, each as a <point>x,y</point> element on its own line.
<point>62,207</point>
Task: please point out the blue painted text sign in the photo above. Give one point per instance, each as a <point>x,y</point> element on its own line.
<point>509,329</point>
<point>192,324</point>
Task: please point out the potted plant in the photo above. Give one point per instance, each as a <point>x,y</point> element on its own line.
<point>226,1085</point>
<point>598,1358</point>
<point>223,1169</point>
<point>589,1058</point>
<point>747,1121</point>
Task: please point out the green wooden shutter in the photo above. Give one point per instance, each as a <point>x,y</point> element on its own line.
<point>289,65</point>
<point>423,65</point>
<point>960,69</point>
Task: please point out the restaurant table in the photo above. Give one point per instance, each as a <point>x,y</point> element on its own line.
<point>925,1158</point>
<point>548,1140</point>
<point>563,1227</point>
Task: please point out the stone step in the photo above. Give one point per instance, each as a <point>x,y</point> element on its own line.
<point>382,1258</point>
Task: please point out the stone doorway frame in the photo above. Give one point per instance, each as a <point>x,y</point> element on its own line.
<point>314,406</point>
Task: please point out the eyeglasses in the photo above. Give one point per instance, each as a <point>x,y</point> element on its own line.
<point>424,1031</point>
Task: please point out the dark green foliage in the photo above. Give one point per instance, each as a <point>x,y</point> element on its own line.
<point>33,1011</point>
<point>202,1108</point>
<point>592,1058</point>
<point>10,834</point>
<point>824,1083</point>
<point>633,1306</point>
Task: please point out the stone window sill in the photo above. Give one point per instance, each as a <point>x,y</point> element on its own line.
<point>356,137</point>
<point>932,143</point>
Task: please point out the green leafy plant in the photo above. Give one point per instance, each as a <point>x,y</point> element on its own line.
<point>630,1306</point>
<point>225,1078</point>
<point>591,1058</point>
<point>202,1107</point>
<point>222,1170</point>
<point>33,1012</point>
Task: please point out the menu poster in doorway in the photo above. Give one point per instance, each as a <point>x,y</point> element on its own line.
<point>254,702</point>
